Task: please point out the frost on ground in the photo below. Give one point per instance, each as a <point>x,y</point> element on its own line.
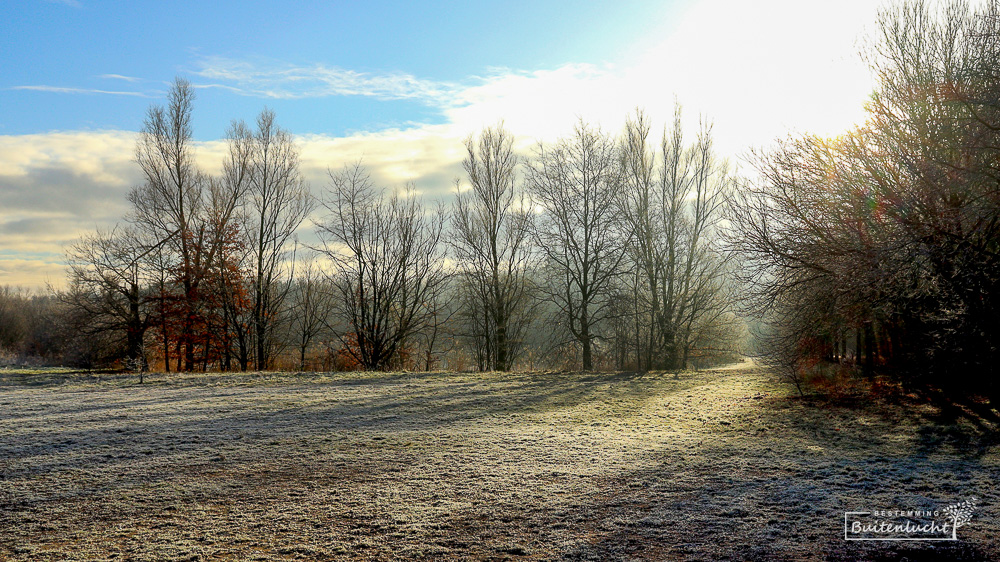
<point>710,465</point>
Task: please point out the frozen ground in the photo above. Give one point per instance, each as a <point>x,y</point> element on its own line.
<point>712,465</point>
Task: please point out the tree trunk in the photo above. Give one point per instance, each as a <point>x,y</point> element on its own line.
<point>857,346</point>
<point>588,360</point>
<point>870,350</point>
<point>502,359</point>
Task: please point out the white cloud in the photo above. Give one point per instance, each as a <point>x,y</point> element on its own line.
<point>33,272</point>
<point>283,81</point>
<point>120,77</point>
<point>100,154</point>
<point>430,157</point>
<point>543,104</point>
<point>759,70</point>
<point>57,186</point>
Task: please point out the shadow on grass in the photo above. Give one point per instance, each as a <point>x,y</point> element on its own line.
<point>780,491</point>
<point>775,490</point>
<point>103,426</point>
<point>968,425</point>
<point>56,376</point>
<point>970,422</point>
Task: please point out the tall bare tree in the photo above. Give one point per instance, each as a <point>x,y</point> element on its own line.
<point>168,204</point>
<point>178,205</point>
<point>673,204</point>
<point>492,224</point>
<point>13,323</point>
<point>388,266</point>
<point>277,201</point>
<point>577,184</point>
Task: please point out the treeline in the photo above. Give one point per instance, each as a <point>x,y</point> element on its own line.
<point>880,249</point>
<point>598,251</point>
<point>30,326</point>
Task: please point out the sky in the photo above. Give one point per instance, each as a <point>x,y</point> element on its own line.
<point>396,85</point>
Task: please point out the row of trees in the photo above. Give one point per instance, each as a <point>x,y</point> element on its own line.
<point>607,244</point>
<point>199,260</point>
<point>882,246</point>
<point>598,247</point>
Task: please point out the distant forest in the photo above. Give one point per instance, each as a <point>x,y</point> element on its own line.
<point>874,253</point>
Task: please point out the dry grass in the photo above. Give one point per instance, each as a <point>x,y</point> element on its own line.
<point>711,465</point>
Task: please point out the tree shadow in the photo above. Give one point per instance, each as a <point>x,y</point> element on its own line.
<point>105,426</point>
<point>782,494</point>
<point>970,423</point>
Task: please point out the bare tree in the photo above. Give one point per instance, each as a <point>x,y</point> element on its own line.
<point>169,203</point>
<point>492,242</point>
<point>311,309</point>
<point>673,204</point>
<point>580,232</point>
<point>890,232</point>
<point>277,201</point>
<point>237,176</point>
<point>179,206</point>
<point>437,338</point>
<point>388,266</point>
<point>37,327</point>
<point>109,289</point>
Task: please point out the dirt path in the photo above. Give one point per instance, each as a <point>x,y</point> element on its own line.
<point>710,465</point>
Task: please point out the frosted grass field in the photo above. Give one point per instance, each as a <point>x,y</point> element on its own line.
<point>710,465</point>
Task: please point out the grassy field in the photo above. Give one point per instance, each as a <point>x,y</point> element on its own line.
<point>712,465</point>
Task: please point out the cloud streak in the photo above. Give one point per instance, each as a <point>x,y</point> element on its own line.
<point>90,91</point>
<point>120,77</point>
<point>284,81</point>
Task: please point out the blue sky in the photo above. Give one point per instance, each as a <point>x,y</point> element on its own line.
<point>398,85</point>
<point>97,65</point>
